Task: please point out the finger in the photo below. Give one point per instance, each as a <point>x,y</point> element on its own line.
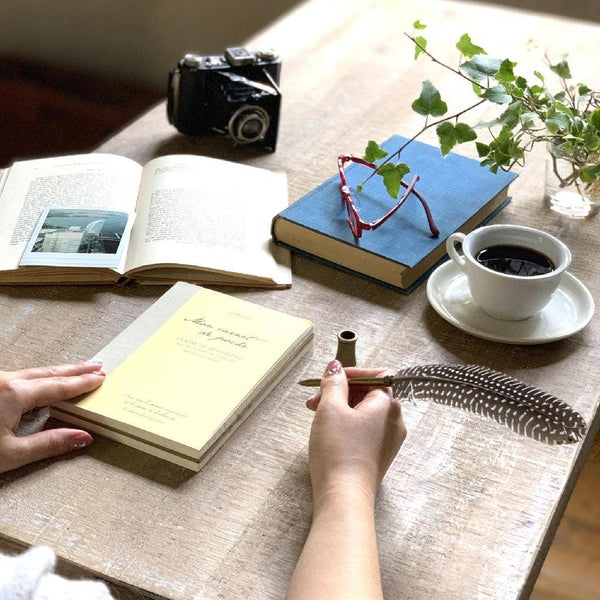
<point>35,393</point>
<point>52,442</point>
<point>361,372</point>
<point>334,384</point>
<point>313,403</point>
<point>64,370</point>
<point>376,398</point>
<point>361,393</point>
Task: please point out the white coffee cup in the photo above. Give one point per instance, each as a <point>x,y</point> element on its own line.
<point>507,296</point>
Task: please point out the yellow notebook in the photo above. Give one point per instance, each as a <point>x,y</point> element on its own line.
<point>184,375</point>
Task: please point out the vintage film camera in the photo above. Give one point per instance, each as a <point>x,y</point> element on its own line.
<point>236,95</point>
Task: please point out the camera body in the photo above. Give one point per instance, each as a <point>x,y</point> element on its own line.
<point>236,95</point>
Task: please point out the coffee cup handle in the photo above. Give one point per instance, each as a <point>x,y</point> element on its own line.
<point>453,239</point>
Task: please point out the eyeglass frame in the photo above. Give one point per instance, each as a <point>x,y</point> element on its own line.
<point>352,211</point>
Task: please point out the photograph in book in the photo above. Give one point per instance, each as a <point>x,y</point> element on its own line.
<point>72,237</point>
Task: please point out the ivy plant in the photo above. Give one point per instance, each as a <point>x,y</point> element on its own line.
<point>528,113</point>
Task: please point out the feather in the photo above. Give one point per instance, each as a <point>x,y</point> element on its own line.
<point>524,408</point>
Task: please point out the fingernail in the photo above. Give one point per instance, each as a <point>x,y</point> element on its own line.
<point>333,368</point>
<point>80,443</point>
<point>100,372</point>
<point>94,362</point>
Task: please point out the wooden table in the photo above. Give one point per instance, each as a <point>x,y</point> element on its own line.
<point>469,508</point>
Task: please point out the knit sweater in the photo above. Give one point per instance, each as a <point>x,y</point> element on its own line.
<point>30,576</point>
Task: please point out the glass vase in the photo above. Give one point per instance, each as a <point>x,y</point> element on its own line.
<point>565,193</point>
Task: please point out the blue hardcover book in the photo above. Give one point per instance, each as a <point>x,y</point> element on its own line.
<point>402,251</point>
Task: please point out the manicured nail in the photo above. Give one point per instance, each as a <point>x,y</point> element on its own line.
<point>79,443</point>
<point>333,368</point>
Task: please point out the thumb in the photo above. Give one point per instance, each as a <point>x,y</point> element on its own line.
<point>334,384</point>
<point>44,444</point>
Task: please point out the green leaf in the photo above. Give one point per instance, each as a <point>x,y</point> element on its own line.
<point>420,46</point>
<point>590,174</point>
<point>418,25</point>
<point>480,67</point>
<point>527,119</point>
<point>449,135</point>
<point>506,73</point>
<point>392,176</point>
<point>558,121</point>
<point>561,69</point>
<point>595,118</point>
<point>564,109</point>
<point>477,89</point>
<point>539,76</point>
<point>467,48</point>
<point>482,149</point>
<point>497,94</point>
<point>429,102</point>
<point>374,152</point>
<point>591,140</point>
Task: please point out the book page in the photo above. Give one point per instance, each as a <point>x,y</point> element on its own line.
<point>210,213</point>
<point>86,180</point>
<point>195,371</point>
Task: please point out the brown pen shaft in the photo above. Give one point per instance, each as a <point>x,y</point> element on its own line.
<point>385,381</point>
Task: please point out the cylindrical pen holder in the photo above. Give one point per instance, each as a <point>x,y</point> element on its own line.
<point>346,348</point>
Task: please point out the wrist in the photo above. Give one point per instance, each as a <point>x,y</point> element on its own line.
<point>342,495</point>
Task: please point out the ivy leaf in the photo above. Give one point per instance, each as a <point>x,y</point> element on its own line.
<point>527,119</point>
<point>450,135</point>
<point>420,46</point>
<point>561,69</point>
<point>477,89</point>
<point>506,72</point>
<point>482,149</point>
<point>591,140</point>
<point>374,152</point>
<point>564,109</point>
<point>468,48</point>
<point>595,118</point>
<point>429,102</point>
<point>480,67</point>
<point>497,94</point>
<point>590,174</point>
<point>418,25</point>
<point>392,176</point>
<point>556,122</point>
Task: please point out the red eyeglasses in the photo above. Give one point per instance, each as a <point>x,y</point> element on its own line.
<point>357,225</point>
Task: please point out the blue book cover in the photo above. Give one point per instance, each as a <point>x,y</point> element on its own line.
<point>460,193</point>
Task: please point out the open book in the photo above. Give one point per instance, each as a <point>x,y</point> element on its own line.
<point>101,218</point>
<point>187,372</point>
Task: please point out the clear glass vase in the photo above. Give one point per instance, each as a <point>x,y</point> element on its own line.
<point>565,193</point>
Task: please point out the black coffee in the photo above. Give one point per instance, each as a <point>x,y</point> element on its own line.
<point>515,260</point>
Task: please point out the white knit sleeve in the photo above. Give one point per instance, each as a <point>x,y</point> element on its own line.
<point>30,576</point>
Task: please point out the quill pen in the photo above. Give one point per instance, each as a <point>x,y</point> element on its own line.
<point>524,408</point>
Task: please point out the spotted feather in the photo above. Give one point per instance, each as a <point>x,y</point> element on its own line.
<point>524,408</point>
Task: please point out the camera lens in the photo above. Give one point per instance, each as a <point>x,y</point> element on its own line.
<point>249,124</point>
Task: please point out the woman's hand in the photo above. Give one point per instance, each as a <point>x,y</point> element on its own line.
<point>356,433</point>
<point>22,391</point>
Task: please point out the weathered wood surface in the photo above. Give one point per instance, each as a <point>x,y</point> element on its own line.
<point>469,508</point>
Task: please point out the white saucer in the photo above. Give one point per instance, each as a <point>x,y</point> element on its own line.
<point>569,310</point>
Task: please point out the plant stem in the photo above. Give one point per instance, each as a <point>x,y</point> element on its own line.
<point>414,137</point>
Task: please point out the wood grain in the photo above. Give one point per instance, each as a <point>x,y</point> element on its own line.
<point>469,508</point>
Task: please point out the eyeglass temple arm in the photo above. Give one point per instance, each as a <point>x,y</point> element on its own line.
<point>342,160</point>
